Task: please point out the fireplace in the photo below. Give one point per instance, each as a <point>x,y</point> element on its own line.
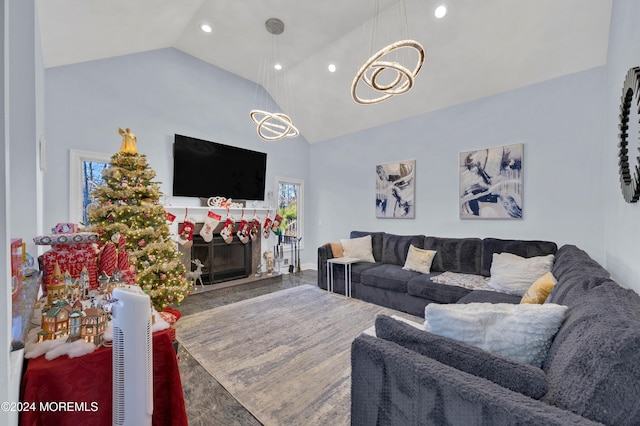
<point>222,261</point>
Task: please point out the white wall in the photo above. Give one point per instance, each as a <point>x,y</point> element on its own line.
<point>24,96</point>
<point>156,94</point>
<point>22,91</point>
<point>622,220</point>
<point>561,125</point>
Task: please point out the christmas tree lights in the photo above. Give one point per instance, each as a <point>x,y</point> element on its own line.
<point>128,204</point>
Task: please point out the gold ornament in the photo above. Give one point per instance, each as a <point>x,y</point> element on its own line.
<point>129,140</point>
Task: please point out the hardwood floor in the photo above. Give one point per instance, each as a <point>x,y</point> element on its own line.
<point>207,402</point>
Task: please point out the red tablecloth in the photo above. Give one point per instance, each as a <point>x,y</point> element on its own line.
<point>87,379</point>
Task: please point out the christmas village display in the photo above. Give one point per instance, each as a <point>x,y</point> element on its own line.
<point>127,242</point>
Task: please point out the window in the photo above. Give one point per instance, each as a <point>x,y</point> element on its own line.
<point>290,207</point>
<point>85,175</point>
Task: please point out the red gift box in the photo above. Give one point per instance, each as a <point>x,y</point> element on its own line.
<point>72,258</point>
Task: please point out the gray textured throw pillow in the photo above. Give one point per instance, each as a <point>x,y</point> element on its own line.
<point>519,377</point>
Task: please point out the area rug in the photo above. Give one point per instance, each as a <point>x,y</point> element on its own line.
<point>284,356</point>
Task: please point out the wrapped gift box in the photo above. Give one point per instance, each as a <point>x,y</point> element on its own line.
<point>72,258</point>
<point>72,250</point>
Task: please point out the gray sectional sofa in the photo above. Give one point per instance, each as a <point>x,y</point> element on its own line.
<point>385,283</point>
<point>591,374</point>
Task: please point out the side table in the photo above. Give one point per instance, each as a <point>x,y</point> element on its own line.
<point>347,262</point>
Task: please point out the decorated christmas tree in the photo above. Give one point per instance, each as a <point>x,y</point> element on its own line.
<point>127,206</point>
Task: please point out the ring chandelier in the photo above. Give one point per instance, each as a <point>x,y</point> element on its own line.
<point>273,126</point>
<point>383,76</point>
<point>376,66</point>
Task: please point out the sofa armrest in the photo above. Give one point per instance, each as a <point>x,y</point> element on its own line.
<point>392,385</point>
<point>324,253</point>
<point>523,378</point>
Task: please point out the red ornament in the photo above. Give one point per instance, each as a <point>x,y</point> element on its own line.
<point>142,243</point>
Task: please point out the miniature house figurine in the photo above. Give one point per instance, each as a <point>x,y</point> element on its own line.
<point>84,284</point>
<point>75,320</point>
<point>92,325</point>
<point>55,321</point>
<point>103,280</point>
<point>56,287</point>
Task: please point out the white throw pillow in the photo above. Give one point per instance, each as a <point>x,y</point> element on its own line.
<point>520,332</point>
<point>514,274</point>
<point>419,260</point>
<point>359,248</point>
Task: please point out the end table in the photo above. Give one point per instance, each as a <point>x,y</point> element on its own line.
<point>347,262</point>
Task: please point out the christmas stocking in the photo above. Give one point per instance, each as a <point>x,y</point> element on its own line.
<point>227,230</point>
<point>266,228</point>
<point>277,220</point>
<point>255,228</point>
<point>243,231</point>
<point>185,234</point>
<point>211,221</point>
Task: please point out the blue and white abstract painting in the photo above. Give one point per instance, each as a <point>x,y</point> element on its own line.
<point>491,183</point>
<point>395,190</point>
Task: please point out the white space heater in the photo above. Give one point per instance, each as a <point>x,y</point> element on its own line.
<point>132,357</point>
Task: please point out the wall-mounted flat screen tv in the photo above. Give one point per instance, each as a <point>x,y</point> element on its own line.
<point>209,169</point>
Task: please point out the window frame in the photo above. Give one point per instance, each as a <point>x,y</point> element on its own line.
<point>299,208</point>
<point>76,159</point>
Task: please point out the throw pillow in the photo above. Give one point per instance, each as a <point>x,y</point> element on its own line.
<point>540,290</point>
<point>519,332</point>
<point>419,260</point>
<point>514,274</point>
<point>359,248</point>
<point>525,379</point>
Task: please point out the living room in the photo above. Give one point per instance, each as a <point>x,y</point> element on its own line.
<point>567,123</point>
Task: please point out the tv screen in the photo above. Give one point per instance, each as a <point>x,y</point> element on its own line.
<point>209,169</point>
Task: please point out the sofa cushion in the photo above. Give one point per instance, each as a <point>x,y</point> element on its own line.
<point>463,255</point>
<point>540,289</point>
<point>376,242</point>
<point>357,269</point>
<point>576,273</point>
<point>520,332</point>
<point>513,274</point>
<point>418,259</point>
<point>395,247</point>
<point>519,377</point>
<point>522,248</point>
<point>359,248</point>
<point>487,296</point>
<point>593,365</point>
<point>388,277</point>
<point>422,286</point>
<point>568,257</point>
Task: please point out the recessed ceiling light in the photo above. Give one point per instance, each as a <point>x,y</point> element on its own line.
<point>206,28</point>
<point>278,66</point>
<point>332,67</point>
<point>440,11</point>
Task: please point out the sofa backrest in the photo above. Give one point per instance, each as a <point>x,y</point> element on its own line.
<point>593,365</point>
<point>376,242</point>
<point>576,273</point>
<point>522,248</point>
<point>461,255</point>
<point>395,247</point>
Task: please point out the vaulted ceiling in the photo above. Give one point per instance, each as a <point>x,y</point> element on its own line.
<point>480,48</point>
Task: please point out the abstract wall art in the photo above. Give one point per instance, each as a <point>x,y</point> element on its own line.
<point>395,190</point>
<point>491,183</point>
